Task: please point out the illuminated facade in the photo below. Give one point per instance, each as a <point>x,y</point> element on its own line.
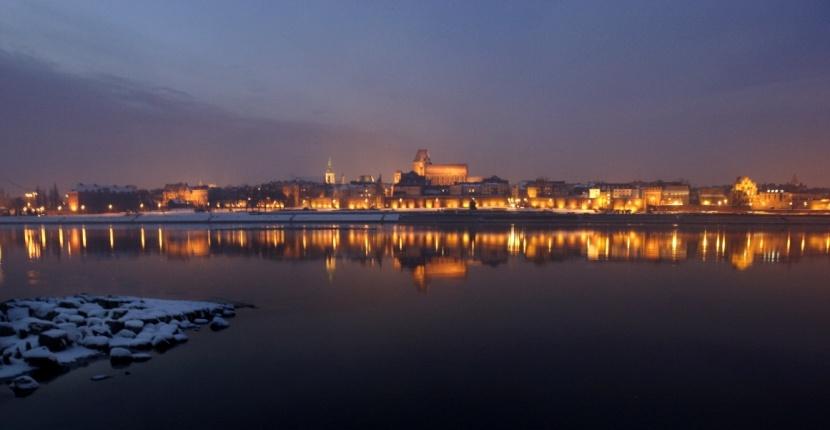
<point>94,198</point>
<point>185,195</point>
<point>712,196</point>
<point>438,174</point>
<point>329,178</point>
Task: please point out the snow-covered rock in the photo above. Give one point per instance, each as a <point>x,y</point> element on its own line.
<point>7,329</point>
<point>41,357</point>
<point>96,342</point>
<point>121,356</point>
<point>219,323</point>
<point>141,357</point>
<point>51,334</point>
<point>24,385</point>
<point>126,333</point>
<point>54,339</point>
<point>17,314</point>
<point>134,325</point>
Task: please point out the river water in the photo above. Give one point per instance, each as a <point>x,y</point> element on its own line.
<point>414,327</point>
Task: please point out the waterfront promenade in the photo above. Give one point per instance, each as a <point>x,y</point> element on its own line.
<point>426,218</point>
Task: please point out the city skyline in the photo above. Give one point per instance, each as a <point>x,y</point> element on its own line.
<point>153,93</point>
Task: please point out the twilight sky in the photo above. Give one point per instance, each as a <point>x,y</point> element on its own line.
<point>148,92</point>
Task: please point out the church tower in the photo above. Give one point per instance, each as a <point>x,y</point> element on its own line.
<point>421,161</point>
<point>329,178</point>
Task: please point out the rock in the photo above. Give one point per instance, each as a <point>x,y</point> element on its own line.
<point>163,342</point>
<point>115,326</point>
<point>140,357</point>
<point>100,343</point>
<point>129,334</point>
<point>65,311</point>
<point>72,331</point>
<point>37,326</point>
<point>180,337</point>
<point>134,325</point>
<point>54,339</point>
<point>6,329</point>
<point>17,313</point>
<point>201,321</point>
<point>219,323</point>
<point>41,357</point>
<point>121,356</point>
<point>96,378</point>
<point>228,313</point>
<point>91,310</point>
<point>23,386</point>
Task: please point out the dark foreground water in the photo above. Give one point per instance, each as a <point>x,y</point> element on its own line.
<point>464,328</point>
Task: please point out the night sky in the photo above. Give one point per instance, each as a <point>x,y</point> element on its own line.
<point>150,92</point>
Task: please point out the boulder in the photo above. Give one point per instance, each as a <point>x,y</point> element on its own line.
<point>141,357</point>
<point>41,357</point>
<point>6,329</point>
<point>100,343</point>
<point>121,356</point>
<point>23,386</point>
<point>17,313</point>
<point>134,325</point>
<point>38,326</point>
<point>218,323</point>
<point>129,334</point>
<point>54,339</point>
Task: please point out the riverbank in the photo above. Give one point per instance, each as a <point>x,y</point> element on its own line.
<point>426,218</point>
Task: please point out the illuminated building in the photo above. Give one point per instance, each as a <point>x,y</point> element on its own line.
<point>675,195</point>
<point>329,178</point>
<point>712,196</point>
<point>182,194</point>
<point>104,198</point>
<point>772,199</point>
<point>438,174</point>
<point>652,195</point>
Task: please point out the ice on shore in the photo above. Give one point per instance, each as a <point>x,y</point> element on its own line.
<point>53,334</point>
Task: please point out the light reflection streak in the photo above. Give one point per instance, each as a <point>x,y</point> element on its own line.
<point>442,253</point>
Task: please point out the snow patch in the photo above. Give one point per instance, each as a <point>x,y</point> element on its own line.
<point>53,334</point>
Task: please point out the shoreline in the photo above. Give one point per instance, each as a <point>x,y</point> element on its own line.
<point>493,217</point>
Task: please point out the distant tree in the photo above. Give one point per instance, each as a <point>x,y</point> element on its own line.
<point>54,197</point>
<point>17,205</point>
<point>40,197</point>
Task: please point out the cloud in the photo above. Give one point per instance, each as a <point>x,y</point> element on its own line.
<point>58,126</point>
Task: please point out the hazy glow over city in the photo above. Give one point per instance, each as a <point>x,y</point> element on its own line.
<point>148,93</point>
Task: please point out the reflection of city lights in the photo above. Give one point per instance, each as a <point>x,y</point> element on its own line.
<point>416,246</point>
<point>33,247</point>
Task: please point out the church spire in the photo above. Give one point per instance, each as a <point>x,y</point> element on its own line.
<point>329,177</point>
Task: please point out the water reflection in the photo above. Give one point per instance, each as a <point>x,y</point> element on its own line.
<point>428,254</point>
